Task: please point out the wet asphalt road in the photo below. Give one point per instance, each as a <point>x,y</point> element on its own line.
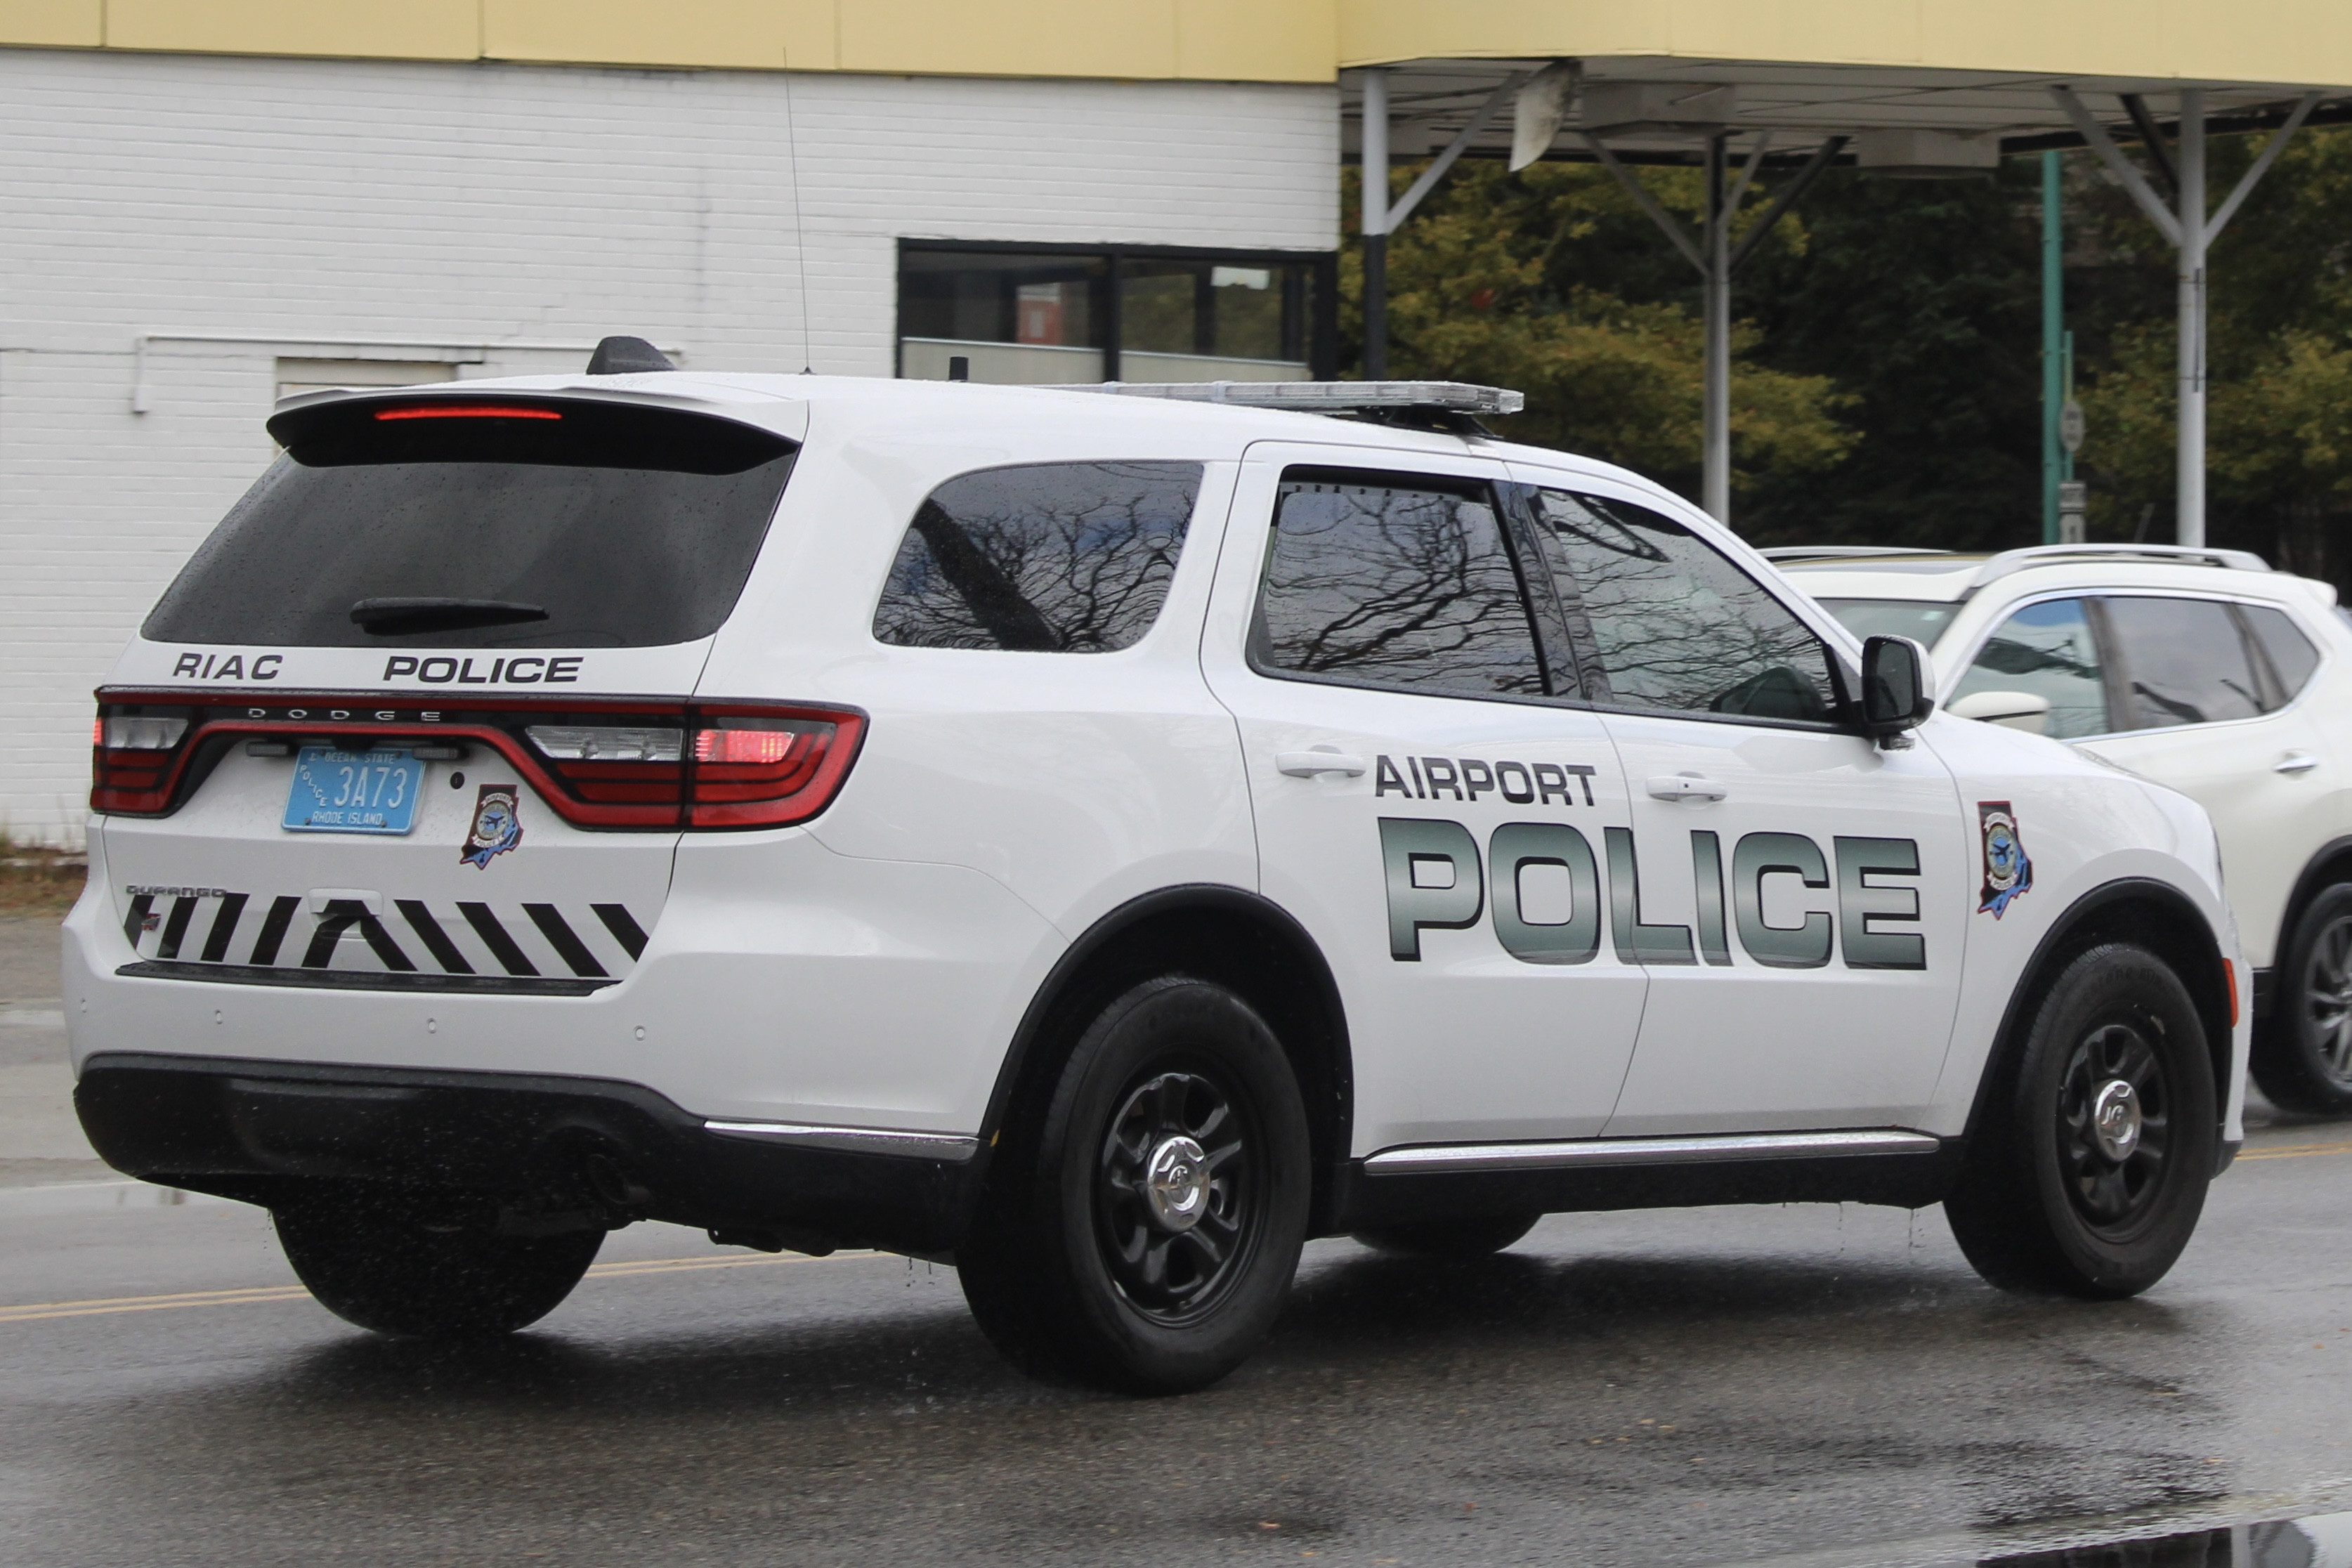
<point>1690,1387</point>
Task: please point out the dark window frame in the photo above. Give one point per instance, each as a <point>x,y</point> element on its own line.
<point>1844,680</point>
<point>1322,314</point>
<point>1490,492</point>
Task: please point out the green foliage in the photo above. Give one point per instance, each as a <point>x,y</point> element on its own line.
<point>2279,352</point>
<point>1495,280</point>
<point>1887,382</point>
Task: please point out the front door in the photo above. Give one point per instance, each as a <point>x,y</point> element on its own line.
<point>1433,802</point>
<point>1795,891</point>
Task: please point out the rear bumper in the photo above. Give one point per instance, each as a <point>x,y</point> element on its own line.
<point>544,1151</point>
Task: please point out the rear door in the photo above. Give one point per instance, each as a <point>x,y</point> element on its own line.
<point>1795,891</point>
<point>415,714</point>
<point>1433,797</point>
<point>2204,692</point>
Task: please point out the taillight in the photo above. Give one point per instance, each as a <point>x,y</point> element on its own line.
<point>133,757</point>
<point>635,763</point>
<point>745,766</point>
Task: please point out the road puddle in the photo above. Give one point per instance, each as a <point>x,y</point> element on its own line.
<point>2320,1541</point>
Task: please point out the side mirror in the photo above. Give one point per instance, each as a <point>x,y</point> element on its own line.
<point>1895,689</point>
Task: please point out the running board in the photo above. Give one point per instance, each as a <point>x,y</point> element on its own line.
<point>1600,1153</point>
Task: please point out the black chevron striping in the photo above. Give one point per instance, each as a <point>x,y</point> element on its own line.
<point>494,937</point>
<point>135,922</point>
<point>564,939</point>
<point>624,927</point>
<point>175,927</point>
<point>437,942</point>
<point>217,942</point>
<point>273,928</point>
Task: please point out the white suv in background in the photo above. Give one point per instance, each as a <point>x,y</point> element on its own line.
<point>1101,839</point>
<point>2199,669</point>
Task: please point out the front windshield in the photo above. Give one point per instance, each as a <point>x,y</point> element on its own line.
<point>1922,620</point>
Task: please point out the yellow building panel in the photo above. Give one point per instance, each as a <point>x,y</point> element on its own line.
<point>408,29</point>
<point>1011,37</point>
<point>1884,31</point>
<point>1257,41</point>
<point>753,34</point>
<point>1372,32</point>
<point>53,23</point>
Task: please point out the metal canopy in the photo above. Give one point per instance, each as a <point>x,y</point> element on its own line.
<point>1733,118</point>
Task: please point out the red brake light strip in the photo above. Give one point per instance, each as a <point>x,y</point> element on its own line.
<point>466,411</point>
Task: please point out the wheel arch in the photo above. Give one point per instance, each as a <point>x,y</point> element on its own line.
<point>2136,909</point>
<point>1226,934</point>
<point>2330,864</point>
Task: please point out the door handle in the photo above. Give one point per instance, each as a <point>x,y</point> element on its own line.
<point>1685,786</point>
<point>1308,764</point>
<point>2295,762</point>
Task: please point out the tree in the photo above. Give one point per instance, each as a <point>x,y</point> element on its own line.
<point>1528,280</point>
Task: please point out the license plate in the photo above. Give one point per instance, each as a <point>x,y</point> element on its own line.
<point>353,792</point>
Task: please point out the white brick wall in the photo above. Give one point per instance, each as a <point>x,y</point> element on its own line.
<point>331,200</point>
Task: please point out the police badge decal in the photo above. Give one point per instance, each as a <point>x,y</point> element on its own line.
<point>2007,871</point>
<point>498,825</point>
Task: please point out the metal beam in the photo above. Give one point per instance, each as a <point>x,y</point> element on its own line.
<point>1402,207</point>
<point>1715,468</point>
<point>1668,225</point>
<point>2221,220</point>
<point>2153,140</point>
<point>1374,184</point>
<point>1822,157</point>
<point>2095,136</point>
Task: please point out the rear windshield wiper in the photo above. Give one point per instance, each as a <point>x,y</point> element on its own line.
<point>398,618</point>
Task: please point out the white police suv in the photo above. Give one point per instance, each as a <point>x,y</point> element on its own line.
<point>1104,840</point>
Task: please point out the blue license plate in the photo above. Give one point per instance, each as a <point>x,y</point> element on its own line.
<point>353,792</point>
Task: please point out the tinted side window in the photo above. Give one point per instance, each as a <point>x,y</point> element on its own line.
<point>2183,661</point>
<point>1044,558</point>
<point>2047,650</point>
<point>1383,584</point>
<point>1676,625</point>
<point>2291,656</point>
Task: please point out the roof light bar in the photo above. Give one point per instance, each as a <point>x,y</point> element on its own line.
<point>1322,396</point>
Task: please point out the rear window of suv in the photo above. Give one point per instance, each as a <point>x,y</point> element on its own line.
<point>487,522</point>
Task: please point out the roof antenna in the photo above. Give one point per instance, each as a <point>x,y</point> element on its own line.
<point>800,237</point>
<point>626,356</point>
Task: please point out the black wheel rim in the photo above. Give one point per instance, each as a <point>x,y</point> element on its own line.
<point>2115,1108</point>
<point>1177,1194</point>
<point>2327,1000</point>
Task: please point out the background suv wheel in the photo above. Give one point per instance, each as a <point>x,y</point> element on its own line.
<point>2302,1049</point>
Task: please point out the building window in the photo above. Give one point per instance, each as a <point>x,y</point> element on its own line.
<point>1026,315</point>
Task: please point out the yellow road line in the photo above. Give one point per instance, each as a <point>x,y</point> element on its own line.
<point>38,1311</point>
<point>2294,1151</point>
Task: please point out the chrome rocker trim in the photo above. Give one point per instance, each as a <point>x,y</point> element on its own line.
<point>946,1146</point>
<point>1423,1160</point>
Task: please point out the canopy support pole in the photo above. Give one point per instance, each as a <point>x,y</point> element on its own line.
<point>2191,233</point>
<point>1375,182</point>
<point>1718,261</point>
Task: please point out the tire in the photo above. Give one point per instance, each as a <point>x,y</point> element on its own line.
<point>1082,1268</point>
<point>2054,1198</point>
<point>2303,1052</point>
<point>378,1262</point>
<point>1476,1236</point>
